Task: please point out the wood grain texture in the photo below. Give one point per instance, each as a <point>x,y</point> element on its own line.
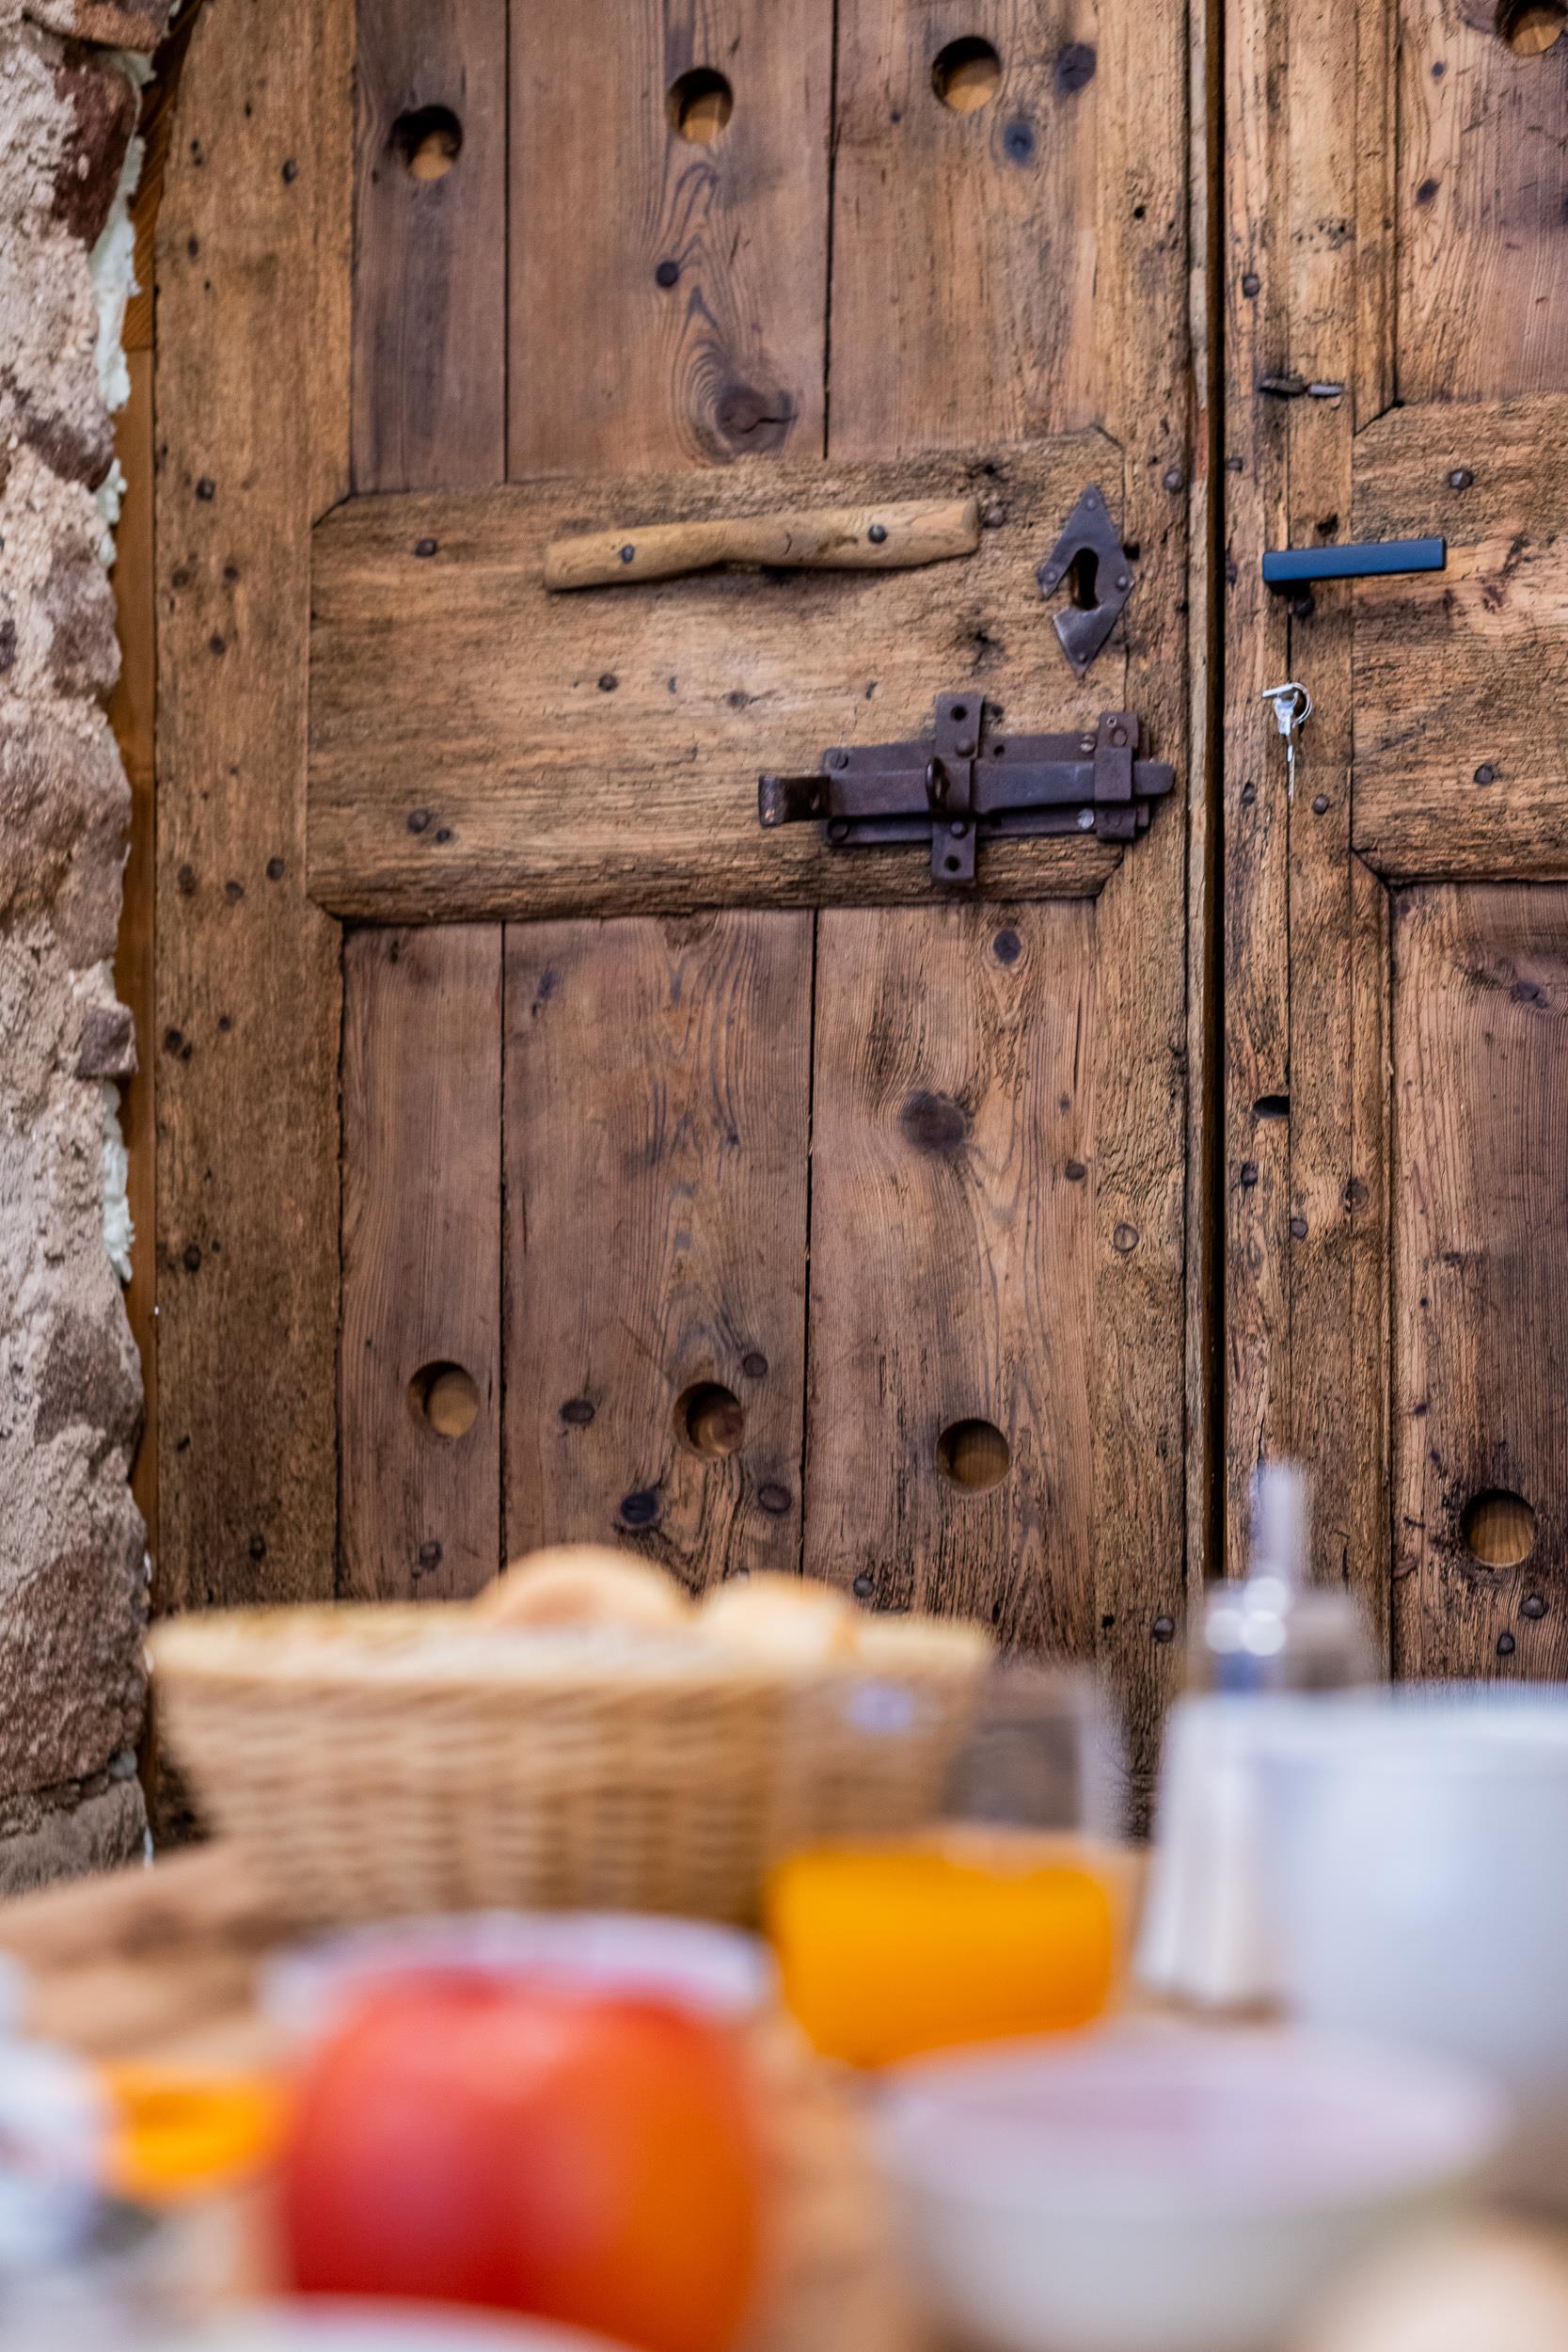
<point>1365,1484</point>
<point>1481,1238</point>
<point>666,296</point>
<point>1341,127</point>
<point>1461,685</point>
<point>420,1515</point>
<point>1256,967</point>
<point>1394,174</point>
<point>835,538</point>
<point>420,1499</point>
<point>1309,155</point>
<point>481,747</point>
<point>252,428</point>
<point>668,310</point>
<point>657,1081</point>
<point>1204,1448</point>
<point>1483,190</point>
<point>968,238</point>
<point>1137,1403</point>
<point>1018,268</point>
<point>952,1183</point>
<point>430,244</point>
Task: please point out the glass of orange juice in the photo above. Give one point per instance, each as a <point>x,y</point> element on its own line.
<point>1005,1917</point>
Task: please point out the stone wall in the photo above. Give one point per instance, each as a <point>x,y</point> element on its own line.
<point>72,1554</point>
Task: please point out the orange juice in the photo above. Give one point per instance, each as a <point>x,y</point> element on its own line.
<point>179,2134</point>
<point>887,1950</point>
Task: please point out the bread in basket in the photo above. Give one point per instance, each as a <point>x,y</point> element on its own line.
<point>515,1751</point>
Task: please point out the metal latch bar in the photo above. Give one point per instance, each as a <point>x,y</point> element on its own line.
<point>971,780</point>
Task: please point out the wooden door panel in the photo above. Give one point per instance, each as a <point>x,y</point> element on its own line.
<point>420,1345</point>
<point>917,242</point>
<point>429,376</point>
<point>668,291</point>
<point>1480,1279</point>
<point>483,746</point>
<point>1480,198</point>
<point>419,1356</point>
<point>1396,368</point>
<point>949,1450</point>
<point>967,231</point>
<point>657,1079</point>
<point>1461,716</point>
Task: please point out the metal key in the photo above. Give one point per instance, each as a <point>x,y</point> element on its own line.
<point>1293,707</point>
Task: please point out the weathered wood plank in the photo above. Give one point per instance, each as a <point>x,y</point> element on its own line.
<point>965,226</point>
<point>668,289</point>
<point>252,426</point>
<point>1340,105</point>
<point>421,1371</point>
<point>1005,269</point>
<point>430,244</point>
<point>669,311</point>
<point>1367,1195</point>
<point>1481,1243</point>
<point>1143,223</point>
<point>1204,1446</point>
<point>1401,254</point>
<point>1256,1003</point>
<point>421,1494</point>
<point>657,1081</point>
<point>482,747</point>
<point>1462,681</point>
<point>954,1168</point>
<point>1309,155</point>
<point>1482,192</point>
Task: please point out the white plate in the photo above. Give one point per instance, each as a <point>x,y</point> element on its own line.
<point>717,1972</point>
<point>352,2327</point>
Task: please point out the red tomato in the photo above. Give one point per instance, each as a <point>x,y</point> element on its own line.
<point>592,2160</point>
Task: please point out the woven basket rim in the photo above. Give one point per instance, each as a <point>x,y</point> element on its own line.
<point>227,1648</point>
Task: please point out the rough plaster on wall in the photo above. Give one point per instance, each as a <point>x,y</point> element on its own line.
<point>72,1557</point>
<point>112,269</point>
<point>118,1231</point>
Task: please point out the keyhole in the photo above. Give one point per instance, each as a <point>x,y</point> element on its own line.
<point>1083,579</point>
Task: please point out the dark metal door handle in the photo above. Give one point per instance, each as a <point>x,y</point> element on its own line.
<point>1375,559</point>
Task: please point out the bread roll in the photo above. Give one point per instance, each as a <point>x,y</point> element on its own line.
<point>781,1616</point>
<point>584,1584</point>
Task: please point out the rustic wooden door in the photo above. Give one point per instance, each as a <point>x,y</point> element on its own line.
<point>1396,935</point>
<point>751,1201</point>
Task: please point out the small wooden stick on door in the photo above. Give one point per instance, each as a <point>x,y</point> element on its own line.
<point>891,537</point>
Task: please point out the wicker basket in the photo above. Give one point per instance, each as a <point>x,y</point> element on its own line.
<point>372,1761</point>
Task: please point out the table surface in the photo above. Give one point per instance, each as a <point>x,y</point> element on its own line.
<point>160,1964</point>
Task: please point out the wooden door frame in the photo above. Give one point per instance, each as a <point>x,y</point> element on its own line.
<point>254,340</point>
<point>251,391</point>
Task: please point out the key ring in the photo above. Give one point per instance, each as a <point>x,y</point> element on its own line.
<point>1292,705</point>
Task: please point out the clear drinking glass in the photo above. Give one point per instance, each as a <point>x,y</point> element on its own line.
<point>962,1886</point>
